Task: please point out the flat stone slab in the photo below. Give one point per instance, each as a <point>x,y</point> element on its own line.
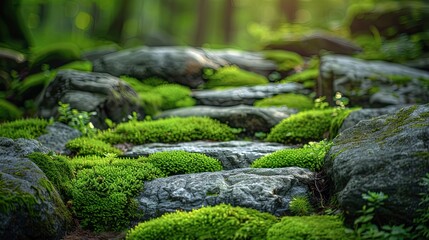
<point>263,189</point>
<point>233,154</point>
<point>245,95</point>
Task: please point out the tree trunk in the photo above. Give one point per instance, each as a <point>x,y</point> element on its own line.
<point>289,8</point>
<point>116,27</point>
<point>201,28</point>
<point>228,24</point>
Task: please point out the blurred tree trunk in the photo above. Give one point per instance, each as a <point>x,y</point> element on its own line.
<point>200,33</point>
<point>13,31</point>
<point>228,25</point>
<point>95,30</point>
<point>114,32</point>
<point>289,9</point>
<point>172,8</point>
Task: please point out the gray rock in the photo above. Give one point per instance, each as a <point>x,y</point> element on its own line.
<point>245,95</point>
<point>57,137</point>
<point>267,190</point>
<point>31,208</point>
<point>183,65</point>
<point>107,96</point>
<point>232,154</point>
<point>251,119</point>
<point>386,154</point>
<point>374,83</point>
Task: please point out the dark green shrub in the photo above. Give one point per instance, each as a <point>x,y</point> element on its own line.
<point>181,162</point>
<point>169,130</point>
<point>232,76</point>
<point>8,111</point>
<point>302,127</point>
<point>57,170</point>
<point>290,100</point>
<point>25,128</point>
<point>310,156</point>
<point>301,206</point>
<point>309,227</point>
<point>307,77</point>
<point>218,222</point>
<point>87,146</point>
<point>285,60</point>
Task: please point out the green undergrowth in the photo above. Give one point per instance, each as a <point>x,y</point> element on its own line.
<point>290,100</point>
<point>307,78</point>
<point>181,162</point>
<point>285,60</point>
<point>24,128</point>
<point>232,76</point>
<point>9,111</point>
<point>169,130</point>
<point>301,206</point>
<point>220,222</point>
<point>310,156</point>
<point>12,199</point>
<point>87,146</point>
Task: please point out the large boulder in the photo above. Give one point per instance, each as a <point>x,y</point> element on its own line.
<point>183,65</point>
<point>106,95</point>
<point>232,154</point>
<point>386,154</point>
<point>57,136</point>
<point>250,119</point>
<point>30,207</point>
<point>266,190</point>
<point>245,95</point>
<point>372,83</point>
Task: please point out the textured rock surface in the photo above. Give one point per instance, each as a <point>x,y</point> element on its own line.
<point>29,210</point>
<point>251,119</point>
<point>267,190</point>
<point>314,44</point>
<point>181,65</point>
<point>244,95</point>
<point>374,83</point>
<point>233,154</point>
<point>386,154</point>
<point>57,137</point>
<point>107,96</point>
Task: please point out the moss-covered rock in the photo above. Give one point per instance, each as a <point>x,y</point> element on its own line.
<point>285,60</point>
<point>290,100</point>
<point>307,78</point>
<point>308,227</point>
<point>87,146</point>
<point>24,128</point>
<point>9,111</point>
<point>220,222</point>
<point>232,76</point>
<point>169,130</point>
<point>181,162</point>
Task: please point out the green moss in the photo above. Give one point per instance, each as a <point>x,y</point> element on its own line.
<point>136,84</point>
<point>312,125</point>
<point>154,81</point>
<point>181,162</point>
<point>12,199</point>
<point>400,79</point>
<point>290,100</point>
<point>54,54</point>
<point>8,111</point>
<point>151,102</point>
<point>301,206</point>
<point>85,66</point>
<point>220,222</point>
<point>285,60</point>
<point>338,120</point>
<point>310,156</point>
<point>87,146</point>
<point>232,76</point>
<point>395,123</point>
<point>308,227</point>
<point>25,128</point>
<point>174,96</point>
<point>169,130</point>
<point>307,77</point>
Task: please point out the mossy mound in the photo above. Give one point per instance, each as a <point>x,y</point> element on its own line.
<point>290,100</point>
<point>220,222</point>
<point>301,206</point>
<point>308,227</point>
<point>181,162</point>
<point>232,76</point>
<point>25,128</point>
<point>310,156</point>
<point>8,111</point>
<point>87,146</point>
<point>307,78</point>
<point>285,60</point>
<point>170,130</point>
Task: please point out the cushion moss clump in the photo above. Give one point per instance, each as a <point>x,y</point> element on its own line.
<point>232,76</point>
<point>309,227</point>
<point>291,100</point>
<point>169,130</point>
<point>174,96</point>
<point>307,78</point>
<point>24,128</point>
<point>310,156</point>
<point>87,146</point>
<point>220,222</point>
<point>8,111</point>
<point>285,60</point>
<point>301,206</point>
<point>181,162</point>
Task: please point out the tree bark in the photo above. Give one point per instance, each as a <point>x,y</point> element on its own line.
<point>116,27</point>
<point>228,21</point>
<point>289,9</point>
<point>202,16</point>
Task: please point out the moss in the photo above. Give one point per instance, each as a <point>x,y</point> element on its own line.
<point>338,120</point>
<point>395,122</point>
<point>87,146</point>
<point>25,128</point>
<point>12,199</point>
<point>181,162</point>
<point>307,77</point>
<point>232,76</point>
<point>285,60</point>
<point>154,81</point>
<point>8,111</point>
<point>308,227</point>
<point>85,66</point>
<point>54,55</point>
<point>310,156</point>
<point>220,222</point>
<point>399,79</point>
<point>301,206</point>
<point>136,84</point>
<point>290,100</point>
<point>174,96</point>
<point>169,130</point>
